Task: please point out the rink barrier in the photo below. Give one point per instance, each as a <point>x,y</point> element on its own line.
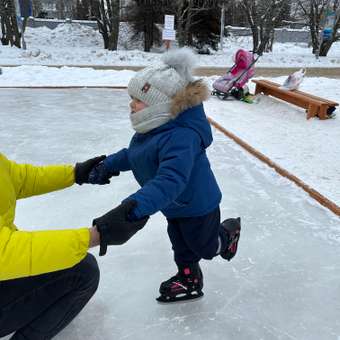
<point>208,71</point>
<point>313,193</point>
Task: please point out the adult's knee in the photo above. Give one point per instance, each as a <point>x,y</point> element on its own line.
<point>88,272</point>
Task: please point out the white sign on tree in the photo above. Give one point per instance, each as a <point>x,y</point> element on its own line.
<point>169,35</point>
<point>169,22</point>
<point>169,32</point>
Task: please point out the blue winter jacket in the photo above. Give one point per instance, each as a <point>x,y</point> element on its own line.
<point>172,168</point>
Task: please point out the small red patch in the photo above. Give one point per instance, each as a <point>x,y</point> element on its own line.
<point>146,87</point>
<point>186,271</point>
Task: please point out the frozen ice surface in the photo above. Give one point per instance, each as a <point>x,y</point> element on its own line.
<point>283,284</point>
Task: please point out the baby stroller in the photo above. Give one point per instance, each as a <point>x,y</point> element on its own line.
<point>234,82</point>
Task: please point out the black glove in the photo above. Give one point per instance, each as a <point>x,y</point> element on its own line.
<point>115,228</point>
<point>83,169</point>
<point>101,175</point>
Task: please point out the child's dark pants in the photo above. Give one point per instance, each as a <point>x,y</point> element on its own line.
<point>194,238</point>
<point>39,307</point>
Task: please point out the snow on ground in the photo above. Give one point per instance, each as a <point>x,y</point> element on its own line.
<point>64,76</point>
<point>284,282</point>
<point>73,44</point>
<point>309,149</point>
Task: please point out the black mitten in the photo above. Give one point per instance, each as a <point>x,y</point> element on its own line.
<point>115,228</point>
<point>83,169</point>
<point>101,175</point>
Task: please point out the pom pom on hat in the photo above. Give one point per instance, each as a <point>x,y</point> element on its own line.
<point>182,60</point>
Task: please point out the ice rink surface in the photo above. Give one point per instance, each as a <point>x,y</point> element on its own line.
<point>283,284</point>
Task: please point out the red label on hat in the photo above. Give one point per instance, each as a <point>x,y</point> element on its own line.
<point>146,87</point>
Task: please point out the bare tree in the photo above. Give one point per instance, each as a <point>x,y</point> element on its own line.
<point>315,12</point>
<point>145,15</point>
<point>64,8</point>
<point>234,14</point>
<point>187,14</point>
<point>9,26</point>
<point>37,7</point>
<point>86,9</point>
<point>263,16</point>
<point>197,21</point>
<point>60,7</point>
<point>207,29</point>
<point>107,15</point>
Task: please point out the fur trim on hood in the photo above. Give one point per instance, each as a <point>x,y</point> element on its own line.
<point>193,94</point>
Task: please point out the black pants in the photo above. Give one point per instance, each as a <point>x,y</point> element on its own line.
<point>194,238</point>
<point>39,307</point>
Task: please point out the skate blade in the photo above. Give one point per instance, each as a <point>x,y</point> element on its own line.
<point>168,299</point>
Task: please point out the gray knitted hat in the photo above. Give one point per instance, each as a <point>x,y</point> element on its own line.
<point>157,85</point>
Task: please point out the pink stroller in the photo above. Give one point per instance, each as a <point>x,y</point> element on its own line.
<point>233,83</point>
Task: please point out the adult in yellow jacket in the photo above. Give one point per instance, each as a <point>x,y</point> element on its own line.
<point>47,277</point>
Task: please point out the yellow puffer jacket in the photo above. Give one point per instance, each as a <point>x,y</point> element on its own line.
<point>23,253</point>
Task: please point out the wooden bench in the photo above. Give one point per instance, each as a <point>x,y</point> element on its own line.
<point>315,106</point>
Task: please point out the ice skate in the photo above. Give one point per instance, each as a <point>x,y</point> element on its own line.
<point>186,285</point>
<point>232,226</point>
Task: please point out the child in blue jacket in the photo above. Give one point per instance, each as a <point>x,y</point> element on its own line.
<point>167,156</point>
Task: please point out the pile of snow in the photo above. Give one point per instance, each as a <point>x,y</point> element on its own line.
<point>72,44</point>
<point>65,35</point>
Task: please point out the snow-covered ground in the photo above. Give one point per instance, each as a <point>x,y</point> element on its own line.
<point>309,149</point>
<point>284,282</point>
<point>64,76</point>
<point>73,44</point>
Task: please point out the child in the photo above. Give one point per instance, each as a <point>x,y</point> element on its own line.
<point>168,159</point>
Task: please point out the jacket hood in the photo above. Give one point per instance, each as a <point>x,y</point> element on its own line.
<point>188,109</point>
<point>193,94</point>
<point>195,118</point>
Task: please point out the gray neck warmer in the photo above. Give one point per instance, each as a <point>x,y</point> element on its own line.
<point>151,117</point>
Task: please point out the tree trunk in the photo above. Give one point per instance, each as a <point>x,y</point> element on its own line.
<point>325,47</point>
<point>187,27</point>
<point>249,9</point>
<point>37,7</point>
<point>263,16</point>
<point>107,17</point>
<point>148,36</point>
<point>255,33</point>
<point>4,36</point>
<point>103,31</point>
<point>180,14</point>
<point>148,28</point>
<point>180,33</point>
<point>60,6</point>
<point>114,20</point>
<point>315,38</point>
<point>9,25</point>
